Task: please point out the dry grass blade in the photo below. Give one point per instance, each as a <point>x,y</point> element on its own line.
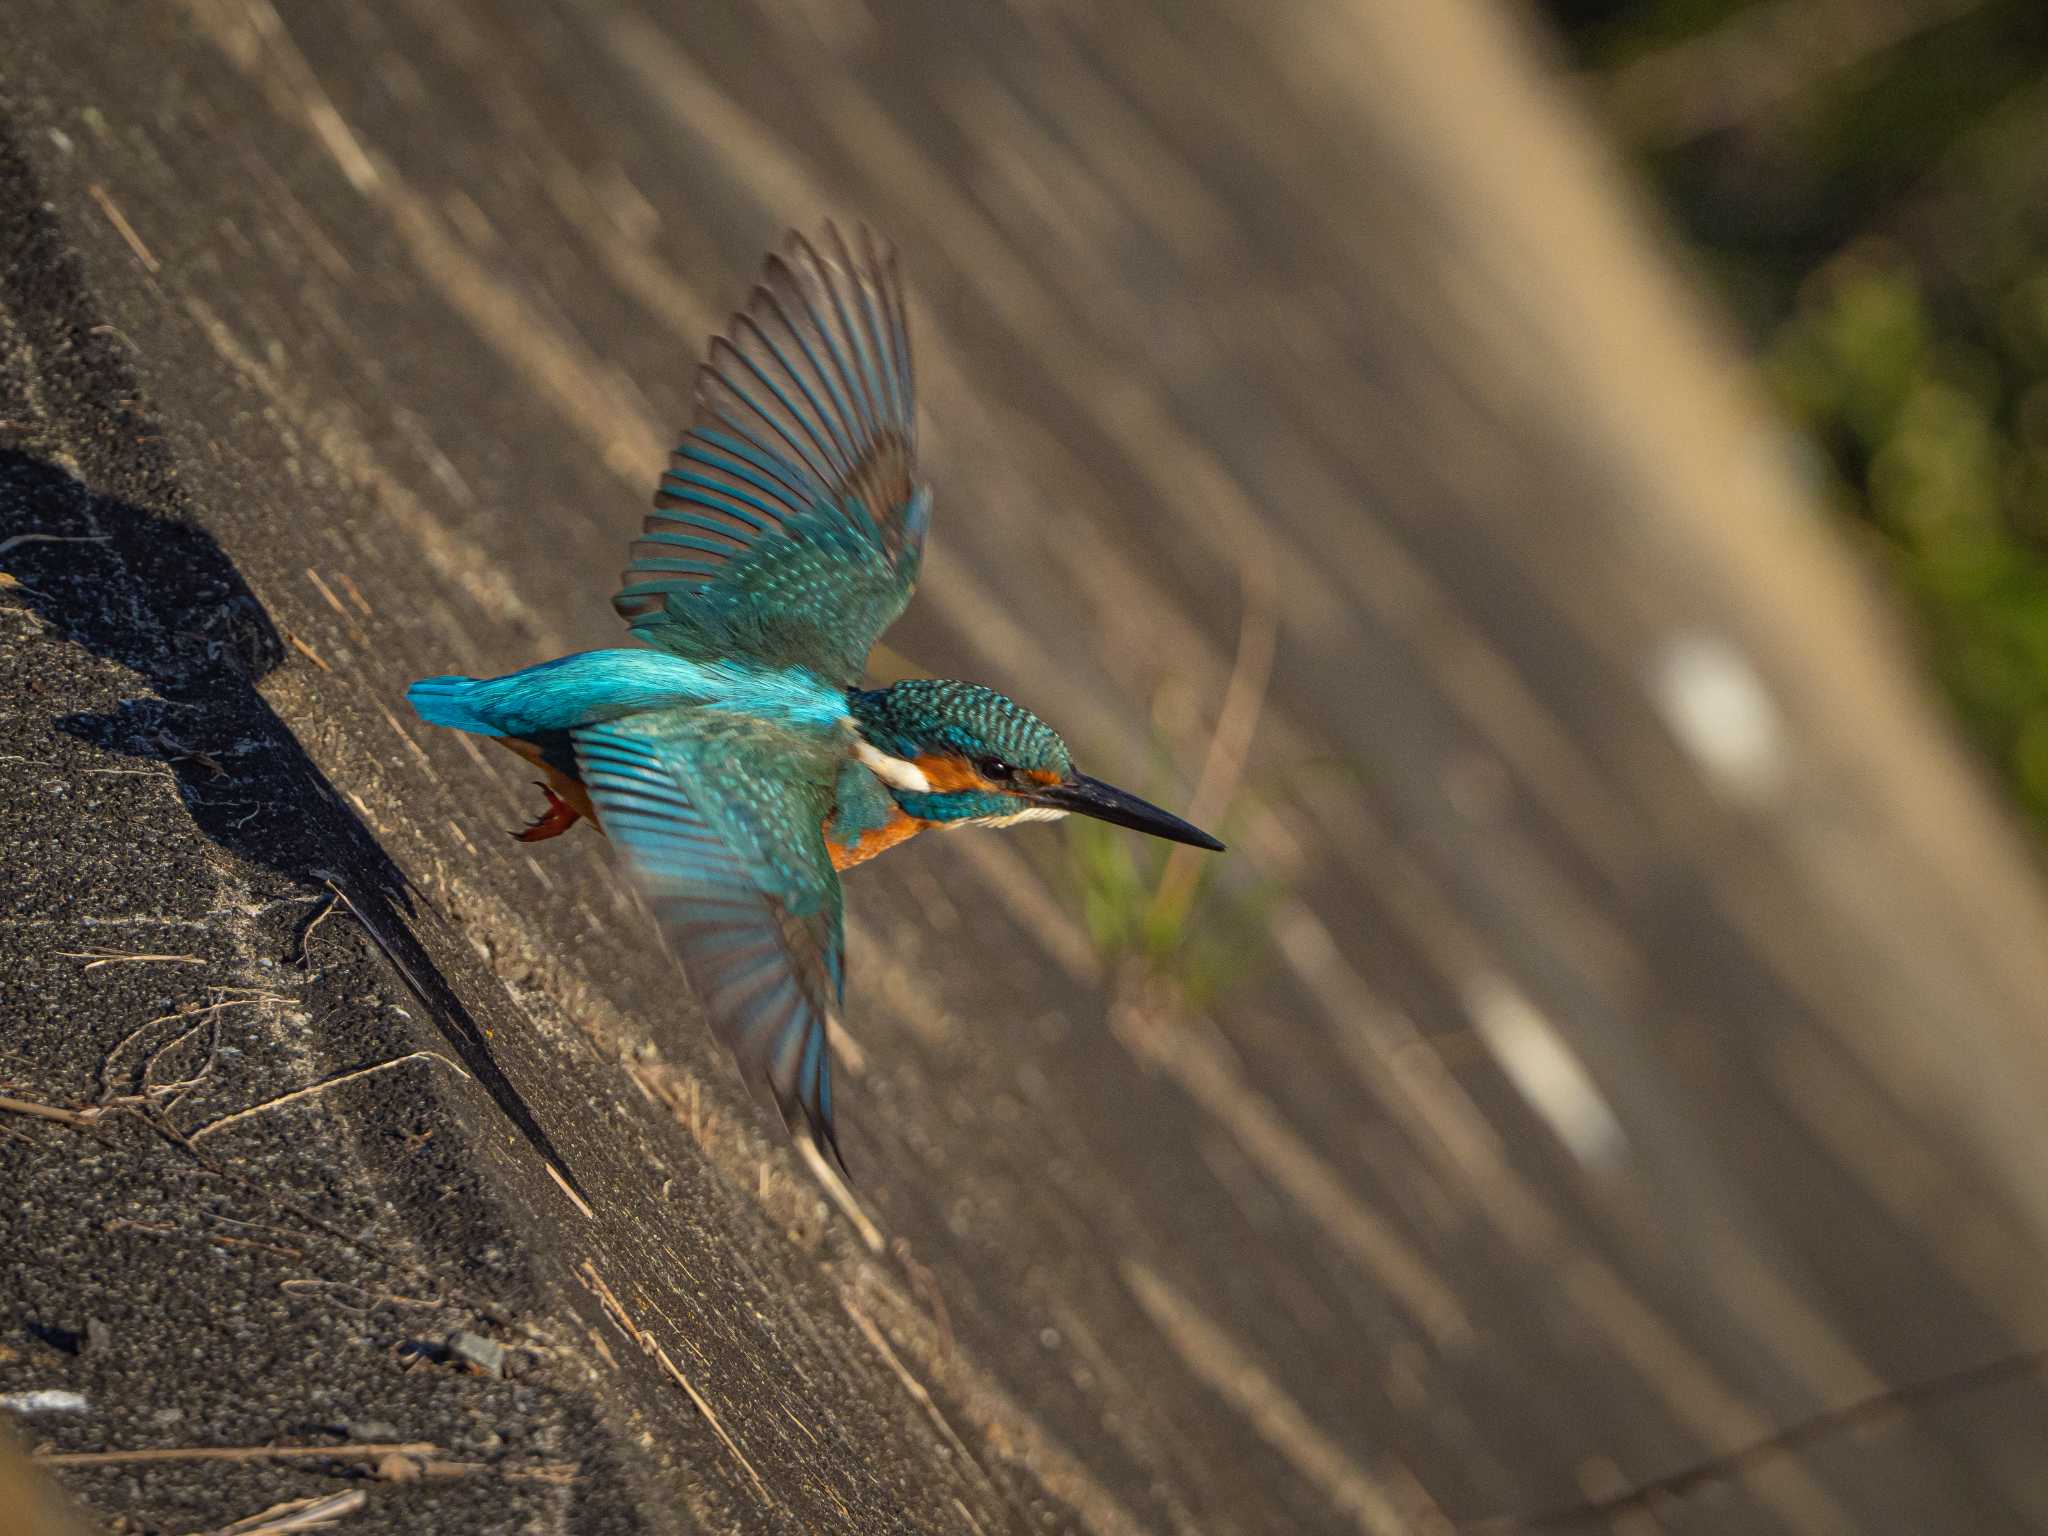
<point>322,1086</point>
<point>363,1452</point>
<point>649,1345</point>
<point>334,900</point>
<point>308,652</point>
<point>835,1186</point>
<point>96,958</point>
<point>298,1515</point>
<point>123,228</point>
<point>566,1188</point>
<point>8,546</point>
<point>1790,1442</point>
<point>1237,724</point>
<point>35,1111</point>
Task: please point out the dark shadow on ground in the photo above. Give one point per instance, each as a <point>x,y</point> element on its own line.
<point>160,598</point>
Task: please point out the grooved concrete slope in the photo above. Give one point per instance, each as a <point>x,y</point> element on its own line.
<point>1613,1038</point>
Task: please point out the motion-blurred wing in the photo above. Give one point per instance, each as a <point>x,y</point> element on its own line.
<point>721,824</point>
<point>791,522</point>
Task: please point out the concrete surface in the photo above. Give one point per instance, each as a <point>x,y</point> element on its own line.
<point>1638,1049</point>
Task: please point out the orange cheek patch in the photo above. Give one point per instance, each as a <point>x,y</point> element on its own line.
<point>946,773</point>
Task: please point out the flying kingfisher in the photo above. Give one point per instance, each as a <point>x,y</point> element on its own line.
<point>736,763</point>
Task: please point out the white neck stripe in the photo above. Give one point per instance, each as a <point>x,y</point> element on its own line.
<point>896,772</point>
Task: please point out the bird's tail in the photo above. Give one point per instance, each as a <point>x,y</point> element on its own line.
<point>456,702</point>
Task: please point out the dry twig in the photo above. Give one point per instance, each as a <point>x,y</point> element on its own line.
<point>124,229</point>
<point>9,545</point>
<point>568,1189</point>
<point>364,1452</point>
<point>308,652</point>
<point>334,899</point>
<point>99,957</point>
<point>311,1287</point>
<point>615,1309</point>
<point>80,1118</point>
<point>1720,1469</point>
<point>298,1515</point>
<point>320,1087</point>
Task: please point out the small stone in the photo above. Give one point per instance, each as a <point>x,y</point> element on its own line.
<point>99,1338</point>
<point>167,1416</point>
<point>44,1400</point>
<point>487,1355</point>
<point>373,1430</point>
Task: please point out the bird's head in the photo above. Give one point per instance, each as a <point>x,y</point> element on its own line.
<point>958,753</point>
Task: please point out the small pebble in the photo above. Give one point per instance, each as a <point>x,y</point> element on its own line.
<point>44,1400</point>
<point>487,1355</point>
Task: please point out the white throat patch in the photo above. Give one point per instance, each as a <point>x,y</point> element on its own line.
<point>896,772</point>
<point>1032,813</point>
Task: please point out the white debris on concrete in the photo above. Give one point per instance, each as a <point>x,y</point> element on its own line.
<point>1721,713</point>
<point>44,1400</point>
<point>1545,1071</point>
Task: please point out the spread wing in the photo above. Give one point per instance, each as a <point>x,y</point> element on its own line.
<point>791,522</point>
<point>720,819</point>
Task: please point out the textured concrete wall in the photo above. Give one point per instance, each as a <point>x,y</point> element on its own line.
<point>1638,1050</point>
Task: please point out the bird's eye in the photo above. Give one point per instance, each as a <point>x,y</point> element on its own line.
<point>994,768</point>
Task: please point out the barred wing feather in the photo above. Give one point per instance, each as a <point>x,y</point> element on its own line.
<point>790,525</point>
<point>720,822</point>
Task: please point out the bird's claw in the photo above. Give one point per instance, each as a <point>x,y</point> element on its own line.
<point>558,818</point>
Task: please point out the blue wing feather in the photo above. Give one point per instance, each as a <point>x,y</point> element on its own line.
<point>720,818</point>
<point>790,525</point>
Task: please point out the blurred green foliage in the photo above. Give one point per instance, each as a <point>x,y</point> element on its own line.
<point>1202,938</point>
<point>1866,181</point>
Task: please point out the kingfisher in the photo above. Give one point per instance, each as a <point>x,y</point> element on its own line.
<point>734,760</point>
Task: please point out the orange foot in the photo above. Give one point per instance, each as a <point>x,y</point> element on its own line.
<point>558,818</point>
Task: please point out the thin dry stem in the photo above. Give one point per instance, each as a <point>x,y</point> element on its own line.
<point>298,1515</point>
<point>364,1452</point>
<point>568,1189</point>
<point>124,229</point>
<point>1237,723</point>
<point>100,957</point>
<point>334,900</point>
<point>8,546</point>
<point>75,1117</point>
<point>320,1087</point>
<point>1787,1442</point>
<point>308,652</point>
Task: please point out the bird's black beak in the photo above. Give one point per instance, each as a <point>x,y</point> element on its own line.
<point>1105,802</point>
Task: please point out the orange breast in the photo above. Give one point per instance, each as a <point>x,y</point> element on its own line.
<point>900,827</point>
